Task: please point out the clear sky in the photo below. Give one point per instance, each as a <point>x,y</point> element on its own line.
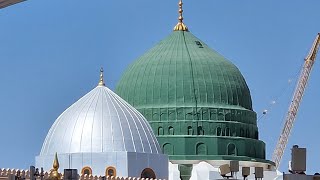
<point>51,52</point>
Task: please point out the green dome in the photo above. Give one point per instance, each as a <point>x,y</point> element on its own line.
<point>196,101</point>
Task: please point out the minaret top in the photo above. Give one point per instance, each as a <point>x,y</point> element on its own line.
<point>54,174</point>
<point>55,162</point>
<point>101,81</point>
<point>180,26</point>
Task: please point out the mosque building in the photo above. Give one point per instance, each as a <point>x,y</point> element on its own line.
<point>197,103</point>
<point>180,111</point>
<point>182,94</point>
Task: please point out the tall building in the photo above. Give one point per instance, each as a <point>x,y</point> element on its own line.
<point>197,102</point>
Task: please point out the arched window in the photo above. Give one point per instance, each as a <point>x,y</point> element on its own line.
<point>168,149</point>
<point>148,173</point>
<point>221,115</point>
<point>86,170</point>
<point>155,116</point>
<point>213,115</point>
<point>171,130</point>
<point>227,132</point>
<point>160,131</point>
<point>234,132</point>
<point>231,149</point>
<point>201,149</point>
<point>163,116</point>
<point>190,130</point>
<point>200,130</point>
<point>111,171</point>
<point>218,131</point>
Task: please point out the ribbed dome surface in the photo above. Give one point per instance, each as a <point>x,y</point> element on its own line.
<point>196,101</point>
<point>100,121</point>
<point>183,71</point>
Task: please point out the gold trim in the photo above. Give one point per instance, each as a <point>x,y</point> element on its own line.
<point>54,174</point>
<point>86,168</point>
<point>114,171</point>
<point>180,26</point>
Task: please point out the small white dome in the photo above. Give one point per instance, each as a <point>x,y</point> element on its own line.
<point>100,121</point>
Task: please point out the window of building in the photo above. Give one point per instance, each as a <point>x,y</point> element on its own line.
<point>190,130</point>
<point>148,173</point>
<point>200,130</point>
<point>111,171</point>
<point>231,149</point>
<point>227,132</point>
<point>218,131</point>
<point>171,130</point>
<point>86,170</point>
<point>160,131</point>
<point>234,132</point>
<point>201,149</point>
<point>168,149</point>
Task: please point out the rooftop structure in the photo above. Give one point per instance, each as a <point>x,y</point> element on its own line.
<point>102,131</point>
<point>197,102</point>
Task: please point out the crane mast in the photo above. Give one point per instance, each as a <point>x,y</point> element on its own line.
<point>294,106</point>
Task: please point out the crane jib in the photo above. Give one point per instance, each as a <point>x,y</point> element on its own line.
<point>295,103</point>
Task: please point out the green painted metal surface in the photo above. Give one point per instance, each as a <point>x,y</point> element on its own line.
<point>196,101</point>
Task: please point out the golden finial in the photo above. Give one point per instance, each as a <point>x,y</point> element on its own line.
<point>180,26</point>
<point>101,81</point>
<point>54,174</point>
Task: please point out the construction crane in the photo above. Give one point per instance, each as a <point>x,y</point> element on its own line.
<point>294,106</point>
<point>5,3</point>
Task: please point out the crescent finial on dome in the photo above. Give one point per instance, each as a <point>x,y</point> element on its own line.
<point>101,81</point>
<point>180,26</point>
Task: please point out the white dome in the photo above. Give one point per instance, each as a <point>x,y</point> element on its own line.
<point>100,121</point>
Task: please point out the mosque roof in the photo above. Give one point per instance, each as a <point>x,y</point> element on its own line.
<point>196,100</point>
<point>182,70</point>
<point>100,121</point>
